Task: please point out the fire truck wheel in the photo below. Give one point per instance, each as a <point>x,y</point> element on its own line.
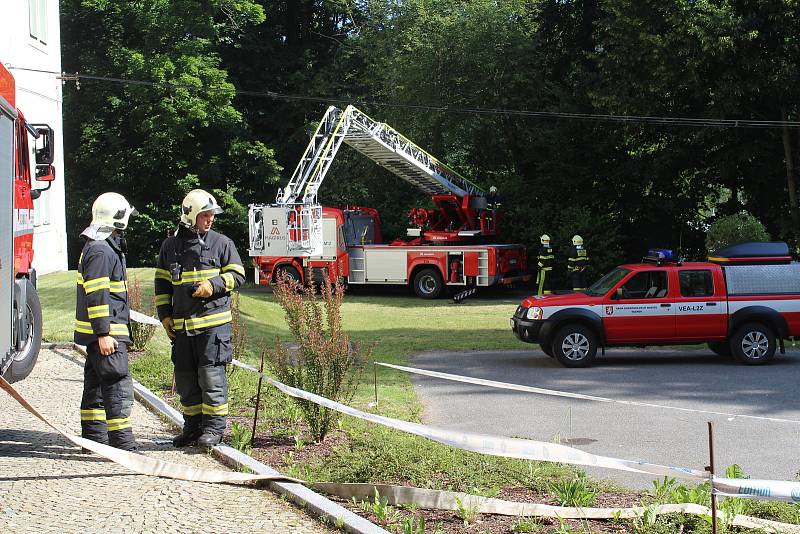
<point>428,283</point>
<point>574,345</point>
<point>720,348</point>
<point>286,270</point>
<point>753,344</point>
<point>25,359</point>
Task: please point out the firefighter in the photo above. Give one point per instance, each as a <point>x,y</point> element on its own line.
<point>101,323</point>
<point>577,263</point>
<point>197,270</point>
<point>545,266</point>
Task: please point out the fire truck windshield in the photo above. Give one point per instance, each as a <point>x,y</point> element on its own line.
<point>608,281</point>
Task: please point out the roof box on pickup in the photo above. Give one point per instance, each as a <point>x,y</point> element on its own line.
<point>758,253</point>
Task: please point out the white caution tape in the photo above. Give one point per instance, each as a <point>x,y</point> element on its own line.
<point>142,318</point>
<point>451,500</point>
<point>777,490</point>
<point>492,445</point>
<point>556,393</point>
<point>139,463</point>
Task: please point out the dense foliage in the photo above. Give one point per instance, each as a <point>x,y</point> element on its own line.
<point>421,65</point>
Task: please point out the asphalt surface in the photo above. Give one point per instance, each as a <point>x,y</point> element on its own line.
<point>688,378</point>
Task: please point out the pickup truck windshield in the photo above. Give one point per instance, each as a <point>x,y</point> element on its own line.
<point>608,281</point>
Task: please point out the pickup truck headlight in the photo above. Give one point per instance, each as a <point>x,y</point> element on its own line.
<point>534,313</point>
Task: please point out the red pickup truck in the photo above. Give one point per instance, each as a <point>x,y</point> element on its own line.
<point>743,302</point>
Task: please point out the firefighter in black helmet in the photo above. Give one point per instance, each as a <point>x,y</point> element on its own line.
<point>101,323</point>
<point>546,258</point>
<point>577,263</point>
<point>198,269</point>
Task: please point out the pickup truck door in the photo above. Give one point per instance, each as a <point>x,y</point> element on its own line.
<point>641,309</point>
<point>701,306</point>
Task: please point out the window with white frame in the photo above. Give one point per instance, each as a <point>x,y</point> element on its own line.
<point>37,11</point>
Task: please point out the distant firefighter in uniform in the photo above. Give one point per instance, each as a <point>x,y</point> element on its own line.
<point>578,262</point>
<point>198,269</point>
<point>546,258</point>
<point>101,323</point>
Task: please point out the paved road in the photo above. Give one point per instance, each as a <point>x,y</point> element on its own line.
<point>46,485</point>
<point>685,378</point>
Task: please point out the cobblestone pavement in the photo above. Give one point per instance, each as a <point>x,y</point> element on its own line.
<point>47,485</point>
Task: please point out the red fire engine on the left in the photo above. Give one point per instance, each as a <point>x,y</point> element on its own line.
<point>20,310</point>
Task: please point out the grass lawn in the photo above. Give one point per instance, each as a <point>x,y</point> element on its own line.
<point>357,451</point>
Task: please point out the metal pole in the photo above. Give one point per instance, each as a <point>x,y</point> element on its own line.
<point>375,380</point>
<point>258,399</point>
<point>710,468</point>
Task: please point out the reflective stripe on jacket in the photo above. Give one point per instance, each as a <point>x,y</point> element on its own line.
<point>578,258</point>
<point>184,261</point>
<point>546,258</point>
<point>101,306</point>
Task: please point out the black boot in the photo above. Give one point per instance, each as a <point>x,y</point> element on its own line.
<point>209,439</point>
<point>186,438</point>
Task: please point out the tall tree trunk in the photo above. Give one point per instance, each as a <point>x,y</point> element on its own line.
<point>788,156</point>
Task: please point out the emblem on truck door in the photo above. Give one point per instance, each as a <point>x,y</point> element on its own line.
<point>609,310</point>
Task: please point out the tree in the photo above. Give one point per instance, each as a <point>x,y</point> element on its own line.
<point>732,229</point>
<point>154,141</point>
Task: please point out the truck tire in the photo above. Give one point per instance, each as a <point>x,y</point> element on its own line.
<point>720,348</point>
<point>753,344</point>
<point>24,360</point>
<point>574,345</point>
<point>547,349</point>
<point>288,270</point>
<point>428,283</point>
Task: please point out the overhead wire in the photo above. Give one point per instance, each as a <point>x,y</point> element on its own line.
<point>599,117</point>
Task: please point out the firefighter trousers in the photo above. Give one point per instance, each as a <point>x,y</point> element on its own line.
<point>578,280</point>
<point>107,398</point>
<point>200,362</point>
<point>543,282</point>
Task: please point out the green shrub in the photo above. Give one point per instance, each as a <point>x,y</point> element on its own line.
<point>573,492</point>
<point>737,228</point>
<point>326,362</point>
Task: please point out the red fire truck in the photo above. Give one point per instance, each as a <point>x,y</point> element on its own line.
<point>20,310</point>
<point>743,302</point>
<point>452,244</point>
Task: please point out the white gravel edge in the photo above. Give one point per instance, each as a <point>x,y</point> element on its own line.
<point>309,500</point>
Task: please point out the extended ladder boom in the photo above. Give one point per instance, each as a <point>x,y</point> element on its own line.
<point>379,142</point>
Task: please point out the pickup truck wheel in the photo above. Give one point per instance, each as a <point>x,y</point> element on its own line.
<point>23,360</point>
<point>753,344</point>
<point>575,346</point>
<point>547,349</point>
<point>720,348</point>
<point>428,283</point>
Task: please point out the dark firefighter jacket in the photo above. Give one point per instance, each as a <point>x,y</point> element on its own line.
<point>102,302</point>
<point>546,258</point>
<point>184,261</point>
<point>578,258</point>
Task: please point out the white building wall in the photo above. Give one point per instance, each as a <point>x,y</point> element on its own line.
<point>39,99</point>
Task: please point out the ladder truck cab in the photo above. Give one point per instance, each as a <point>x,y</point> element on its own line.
<point>744,302</point>
<point>454,244</point>
<point>20,310</point>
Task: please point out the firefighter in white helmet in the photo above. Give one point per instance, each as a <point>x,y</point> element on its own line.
<point>577,263</point>
<point>546,259</point>
<point>198,269</point>
<point>101,324</point>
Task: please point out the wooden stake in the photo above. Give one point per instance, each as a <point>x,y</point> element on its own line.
<point>258,399</point>
<point>375,380</point>
<point>710,469</point>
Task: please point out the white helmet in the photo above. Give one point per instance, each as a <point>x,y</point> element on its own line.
<point>110,211</point>
<point>196,202</point>
<point>577,240</point>
<point>545,239</point>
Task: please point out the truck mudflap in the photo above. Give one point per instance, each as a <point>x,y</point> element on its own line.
<point>506,280</point>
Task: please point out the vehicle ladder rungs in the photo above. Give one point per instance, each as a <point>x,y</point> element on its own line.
<point>483,269</point>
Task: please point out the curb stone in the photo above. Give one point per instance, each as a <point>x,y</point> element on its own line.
<point>314,503</point>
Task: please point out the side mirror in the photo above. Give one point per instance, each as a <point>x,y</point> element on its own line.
<point>44,145</point>
<point>45,173</point>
